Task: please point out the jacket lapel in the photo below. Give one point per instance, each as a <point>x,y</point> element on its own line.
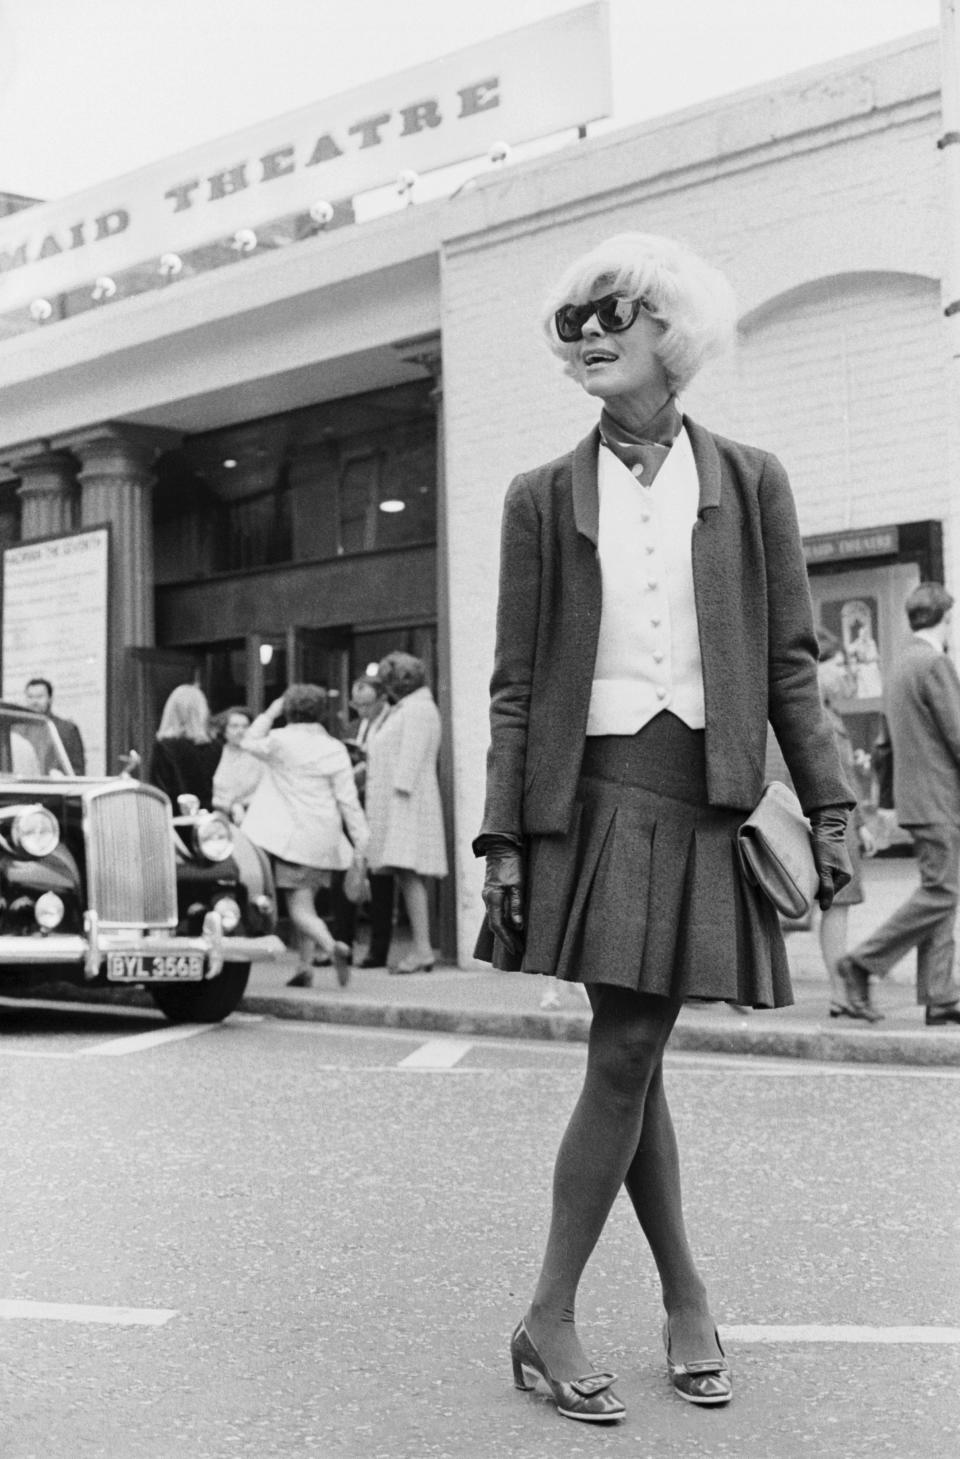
<point>586,494</point>
<point>707,457</point>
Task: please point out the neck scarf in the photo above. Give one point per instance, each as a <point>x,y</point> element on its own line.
<point>645,451</point>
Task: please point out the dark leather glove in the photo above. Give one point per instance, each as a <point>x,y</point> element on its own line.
<point>828,823</point>
<point>503,892</point>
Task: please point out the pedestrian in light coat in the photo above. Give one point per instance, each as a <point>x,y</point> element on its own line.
<point>403,797</point>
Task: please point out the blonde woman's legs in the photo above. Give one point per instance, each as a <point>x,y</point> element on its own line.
<point>628,1035</point>
<point>413,889</point>
<point>653,1185</point>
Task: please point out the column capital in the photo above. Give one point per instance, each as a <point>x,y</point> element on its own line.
<point>115,449</point>
<point>47,491</point>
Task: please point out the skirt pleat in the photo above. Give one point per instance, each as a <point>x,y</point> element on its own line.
<point>645,890</point>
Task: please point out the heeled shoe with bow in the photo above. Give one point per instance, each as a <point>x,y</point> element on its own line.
<point>706,1381</point>
<point>590,1399</point>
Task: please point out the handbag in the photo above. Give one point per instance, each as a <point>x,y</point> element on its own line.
<point>776,851</point>
<point>356,882</point>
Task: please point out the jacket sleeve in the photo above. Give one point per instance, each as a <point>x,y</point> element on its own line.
<point>794,708</point>
<point>941,691</point>
<point>513,666</point>
<point>258,738</point>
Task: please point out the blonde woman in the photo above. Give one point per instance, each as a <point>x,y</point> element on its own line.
<point>185,754</point>
<point>653,612</point>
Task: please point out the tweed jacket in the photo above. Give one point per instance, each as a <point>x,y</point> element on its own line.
<point>923,712</point>
<point>403,792</point>
<point>755,622</point>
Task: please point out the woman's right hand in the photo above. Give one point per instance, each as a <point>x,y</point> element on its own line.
<point>503,895</point>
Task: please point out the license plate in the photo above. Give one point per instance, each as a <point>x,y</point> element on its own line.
<point>154,967</point>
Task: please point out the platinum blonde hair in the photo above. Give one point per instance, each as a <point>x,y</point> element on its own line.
<point>691,300</point>
<point>186,715</point>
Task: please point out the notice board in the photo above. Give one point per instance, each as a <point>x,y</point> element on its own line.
<point>56,626</point>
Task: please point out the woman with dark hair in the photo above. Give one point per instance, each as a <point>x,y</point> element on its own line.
<point>403,798</point>
<point>185,755</point>
<point>653,612</point>
<point>238,773</point>
<point>303,812</point>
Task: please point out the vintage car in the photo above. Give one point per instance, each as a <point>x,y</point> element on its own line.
<point>103,883</point>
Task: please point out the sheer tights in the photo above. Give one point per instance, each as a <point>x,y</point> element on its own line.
<point>620,1133</point>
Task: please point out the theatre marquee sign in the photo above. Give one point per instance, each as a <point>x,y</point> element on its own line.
<point>529,83</point>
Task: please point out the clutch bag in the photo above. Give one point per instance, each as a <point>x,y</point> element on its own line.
<point>776,851</point>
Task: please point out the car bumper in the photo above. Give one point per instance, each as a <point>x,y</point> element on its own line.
<point>90,949</point>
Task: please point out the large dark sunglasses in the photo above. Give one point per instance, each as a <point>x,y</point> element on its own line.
<point>614,315</point>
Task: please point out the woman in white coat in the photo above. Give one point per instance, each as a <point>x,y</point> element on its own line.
<point>403,798</point>
<point>298,814</point>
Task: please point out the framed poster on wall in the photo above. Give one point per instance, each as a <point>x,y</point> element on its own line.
<point>55,605</point>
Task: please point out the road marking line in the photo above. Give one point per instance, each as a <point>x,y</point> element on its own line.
<point>940,1336</point>
<point>13,1310</point>
<point>437,1054</point>
<point>135,1043</point>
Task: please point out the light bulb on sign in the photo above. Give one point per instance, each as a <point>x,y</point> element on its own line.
<point>244,240</point>
<point>41,310</point>
<point>393,504</point>
<point>266,654</point>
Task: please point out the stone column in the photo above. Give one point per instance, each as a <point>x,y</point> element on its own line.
<point>47,492</point>
<point>116,479</point>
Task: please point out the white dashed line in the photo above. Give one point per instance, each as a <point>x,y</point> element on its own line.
<point>437,1054</point>
<point>136,1043</point>
<point>13,1311</point>
<point>938,1336</point>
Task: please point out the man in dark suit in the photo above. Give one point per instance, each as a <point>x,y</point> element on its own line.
<point>39,696</point>
<point>923,713</point>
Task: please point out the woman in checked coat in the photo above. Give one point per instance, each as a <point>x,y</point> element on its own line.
<point>403,797</point>
<point>653,615</point>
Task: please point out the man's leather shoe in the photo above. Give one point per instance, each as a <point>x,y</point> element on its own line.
<point>943,1017</point>
<point>373,962</point>
<point>857,983</point>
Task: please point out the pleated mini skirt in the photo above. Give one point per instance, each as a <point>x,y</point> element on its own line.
<point>645,890</point>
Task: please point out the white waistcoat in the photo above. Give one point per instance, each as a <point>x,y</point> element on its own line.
<point>648,655</point>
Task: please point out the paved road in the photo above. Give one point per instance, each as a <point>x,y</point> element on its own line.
<point>285,1239</point>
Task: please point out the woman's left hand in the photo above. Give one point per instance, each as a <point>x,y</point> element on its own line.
<point>828,825</point>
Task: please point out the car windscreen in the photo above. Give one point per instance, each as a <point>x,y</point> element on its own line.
<point>30,748</point>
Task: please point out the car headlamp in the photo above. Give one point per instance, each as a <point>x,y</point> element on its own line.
<point>49,910</point>
<point>229,910</point>
<point>34,831</point>
<point>213,838</point>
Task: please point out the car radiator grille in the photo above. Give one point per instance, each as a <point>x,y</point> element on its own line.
<point>131,873</point>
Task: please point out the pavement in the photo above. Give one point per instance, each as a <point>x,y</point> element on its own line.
<point>478,1001</point>
<point>469,1002</point>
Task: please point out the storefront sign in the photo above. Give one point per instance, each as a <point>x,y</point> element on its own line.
<point>55,626</point>
<point>836,546</point>
<point>529,83</point>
